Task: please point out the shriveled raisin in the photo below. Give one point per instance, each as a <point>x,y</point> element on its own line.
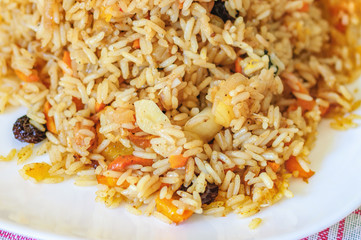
<point>24,131</point>
<point>209,194</point>
<point>94,164</point>
<point>219,9</point>
<point>183,188</point>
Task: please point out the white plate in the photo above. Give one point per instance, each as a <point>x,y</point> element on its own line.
<point>64,211</point>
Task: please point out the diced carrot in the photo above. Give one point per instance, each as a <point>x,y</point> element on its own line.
<point>292,107</point>
<point>135,130</point>
<point>110,181</point>
<point>180,6</point>
<point>324,109</point>
<point>292,165</point>
<point>136,44</point>
<point>121,162</point>
<point>238,67</point>
<point>78,103</point>
<point>305,7</point>
<point>177,161</point>
<point>167,208</point>
<point>163,185</point>
<point>99,106</point>
<point>50,123</point>
<point>231,169</point>
<point>337,12</point>
<point>300,88</point>
<point>67,59</point>
<point>275,167</point>
<point>306,105</point>
<point>141,141</point>
<point>33,77</point>
<point>340,27</point>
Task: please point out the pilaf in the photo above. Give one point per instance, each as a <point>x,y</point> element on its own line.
<point>177,107</point>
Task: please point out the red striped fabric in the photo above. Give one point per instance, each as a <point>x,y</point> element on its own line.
<point>341,229</point>
<point>323,235</point>
<point>12,236</point>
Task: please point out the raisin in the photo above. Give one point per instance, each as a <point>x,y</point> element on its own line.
<point>94,164</point>
<point>219,9</point>
<point>183,188</point>
<point>209,194</point>
<point>24,131</point>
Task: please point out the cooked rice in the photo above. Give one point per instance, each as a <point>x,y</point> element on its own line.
<point>9,157</point>
<point>255,222</point>
<point>25,153</point>
<point>156,79</point>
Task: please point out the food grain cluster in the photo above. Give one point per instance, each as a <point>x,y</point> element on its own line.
<point>177,107</point>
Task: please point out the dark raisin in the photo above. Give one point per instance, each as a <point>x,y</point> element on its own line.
<point>244,55</point>
<point>209,194</point>
<point>24,131</point>
<point>183,188</point>
<point>219,9</point>
<point>94,164</point>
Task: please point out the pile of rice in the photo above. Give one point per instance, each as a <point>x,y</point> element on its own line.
<point>165,70</point>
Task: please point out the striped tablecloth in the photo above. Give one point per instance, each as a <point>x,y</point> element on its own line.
<point>348,228</point>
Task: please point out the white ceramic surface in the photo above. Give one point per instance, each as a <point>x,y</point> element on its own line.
<point>65,211</point>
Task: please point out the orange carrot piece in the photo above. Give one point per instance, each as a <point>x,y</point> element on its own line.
<point>177,161</point>
<point>292,165</point>
<point>300,88</point>
<point>324,110</point>
<point>292,107</point>
<point>238,67</point>
<point>231,169</point>
<point>305,7</point>
<point>306,105</point>
<point>180,6</point>
<point>67,59</point>
<point>50,123</point>
<point>136,44</point>
<point>135,130</point>
<point>274,166</point>
<point>167,208</point>
<point>340,27</point>
<point>99,106</point>
<point>78,103</point>
<point>33,77</point>
<point>141,141</point>
<point>164,184</point>
<point>110,181</point>
<point>121,162</point>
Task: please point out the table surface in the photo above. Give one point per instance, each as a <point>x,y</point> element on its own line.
<point>348,228</point>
